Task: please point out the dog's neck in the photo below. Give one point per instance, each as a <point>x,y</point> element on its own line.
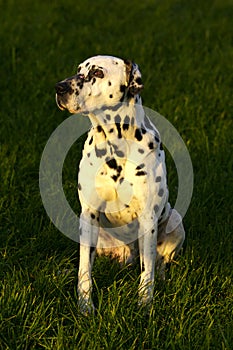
<point>127,114</point>
<point>122,122</point>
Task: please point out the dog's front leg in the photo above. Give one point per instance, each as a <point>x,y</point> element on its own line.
<point>88,241</point>
<point>147,251</point>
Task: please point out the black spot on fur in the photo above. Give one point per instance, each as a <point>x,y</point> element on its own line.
<point>119,169</point>
<point>111,151</point>
<point>87,64</point>
<point>100,152</point>
<point>161,146</point>
<point>110,96</point>
<point>120,153</point>
<point>140,150</point>
<point>140,166</point>
<point>141,173</point>
<point>125,126</point>
<point>112,163</point>
<point>109,83</point>
<point>156,208</point>
<point>118,126</point>
<point>108,117</point>
<point>79,68</point>
<point>156,138</point>
<point>116,107</point>
<point>100,129</point>
<point>117,119</point>
<point>91,140</point>
<point>144,131</point>
<point>92,216</point>
<point>80,81</point>
<point>117,152</point>
<point>161,192</point>
<point>158,179</point>
<point>79,187</point>
<point>93,81</point>
<point>121,180</point>
<point>138,134</point>
<point>151,145</point>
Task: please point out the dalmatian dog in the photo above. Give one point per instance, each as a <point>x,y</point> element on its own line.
<point>122,175</point>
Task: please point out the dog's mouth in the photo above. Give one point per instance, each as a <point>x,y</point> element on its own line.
<point>59,103</point>
<point>65,95</point>
<point>64,106</point>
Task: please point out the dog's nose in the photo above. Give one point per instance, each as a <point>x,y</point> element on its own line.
<point>62,87</point>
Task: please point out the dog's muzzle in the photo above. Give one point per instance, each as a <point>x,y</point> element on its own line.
<point>67,87</point>
<point>63,87</point>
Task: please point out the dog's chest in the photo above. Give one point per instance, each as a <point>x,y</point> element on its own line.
<point>117,174</point>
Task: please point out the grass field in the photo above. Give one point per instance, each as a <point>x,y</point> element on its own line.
<point>184,49</point>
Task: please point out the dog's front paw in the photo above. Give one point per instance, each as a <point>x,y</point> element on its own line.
<point>86,306</point>
<point>146,293</point>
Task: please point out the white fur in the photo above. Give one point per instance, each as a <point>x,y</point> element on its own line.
<point>122,174</point>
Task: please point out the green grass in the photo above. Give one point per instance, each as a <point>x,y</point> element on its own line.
<point>184,49</point>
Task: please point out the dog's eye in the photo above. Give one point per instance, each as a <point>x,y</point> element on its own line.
<point>98,73</point>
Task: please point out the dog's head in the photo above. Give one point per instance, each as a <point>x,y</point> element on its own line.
<point>101,81</point>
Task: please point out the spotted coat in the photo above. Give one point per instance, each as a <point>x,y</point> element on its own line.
<point>122,175</point>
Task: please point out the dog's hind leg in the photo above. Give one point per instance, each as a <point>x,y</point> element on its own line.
<point>171,235</point>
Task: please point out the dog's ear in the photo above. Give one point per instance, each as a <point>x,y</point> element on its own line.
<point>133,78</point>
